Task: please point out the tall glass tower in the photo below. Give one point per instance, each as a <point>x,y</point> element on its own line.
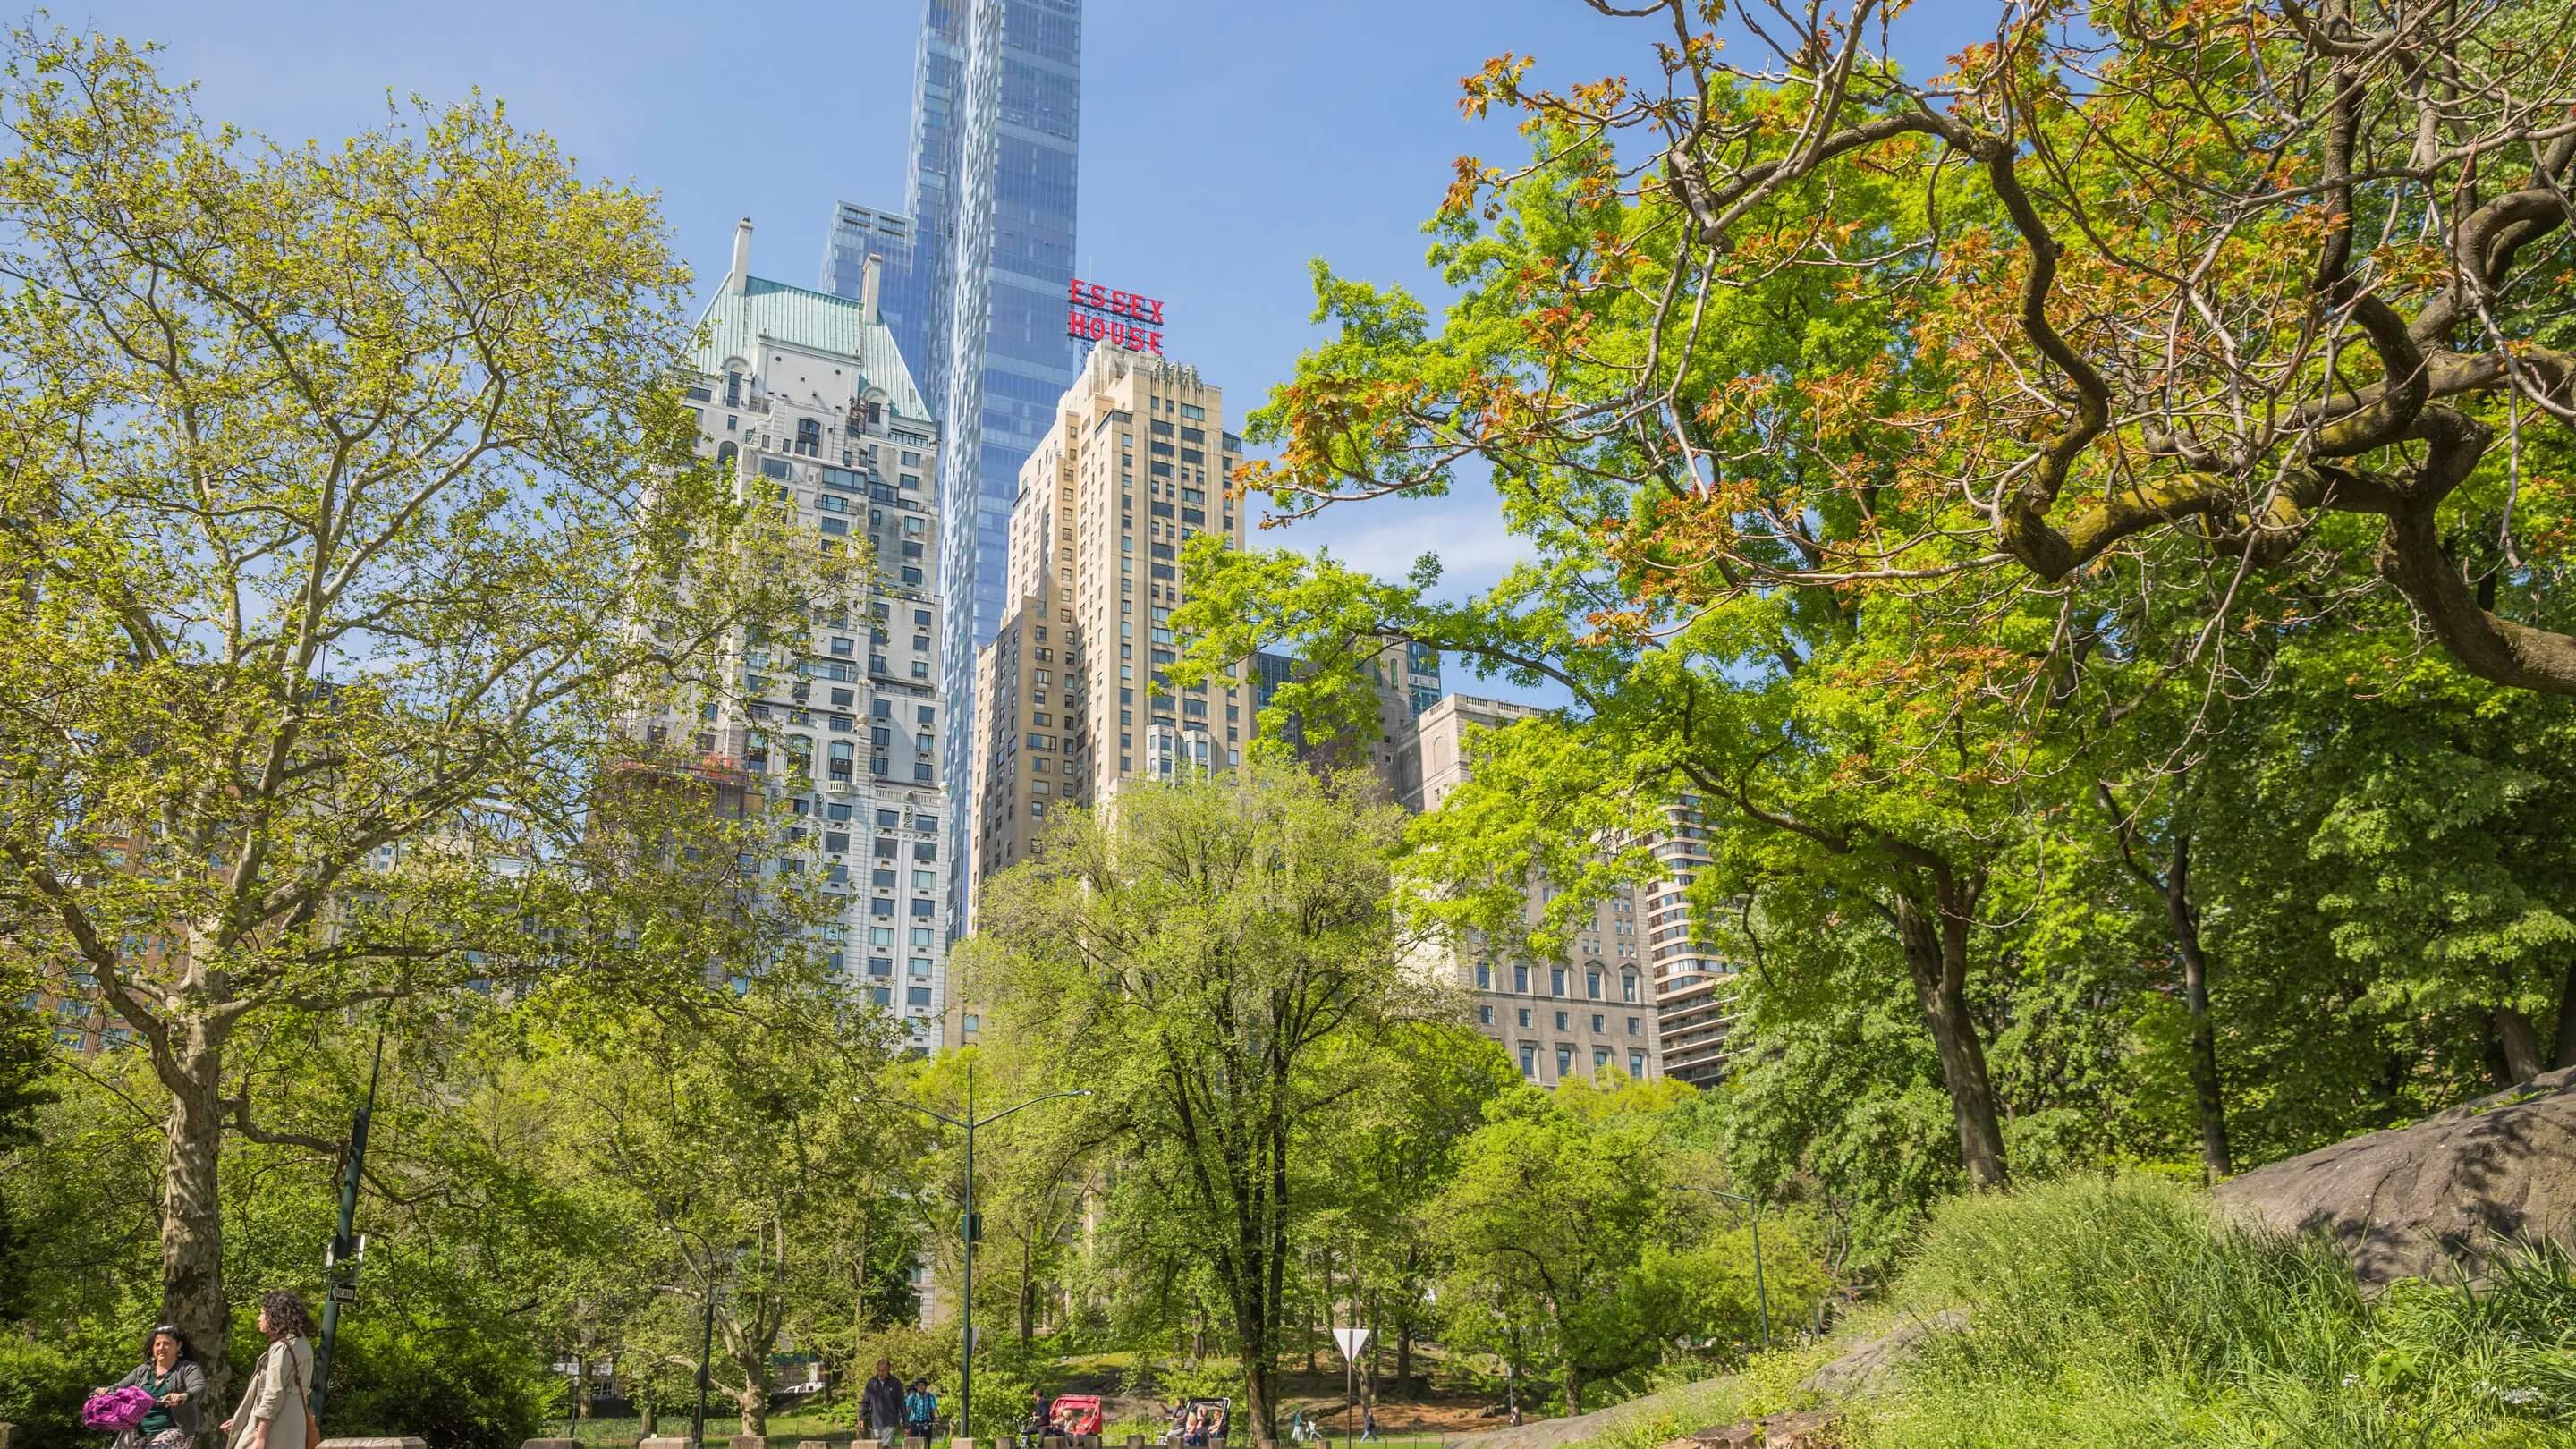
<point>996,127</point>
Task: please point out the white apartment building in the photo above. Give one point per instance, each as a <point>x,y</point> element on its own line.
<point>805,395</point>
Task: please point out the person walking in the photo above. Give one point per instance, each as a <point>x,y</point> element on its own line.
<point>171,1375</point>
<point>1368,1422</point>
<point>920,1410</point>
<point>881,1405</point>
<point>274,1404</point>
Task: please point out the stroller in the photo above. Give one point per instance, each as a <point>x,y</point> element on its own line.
<point>1203,1422</point>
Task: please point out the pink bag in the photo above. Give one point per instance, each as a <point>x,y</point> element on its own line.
<point>114,1411</point>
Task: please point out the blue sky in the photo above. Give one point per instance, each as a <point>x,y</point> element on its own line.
<point>1225,142</point>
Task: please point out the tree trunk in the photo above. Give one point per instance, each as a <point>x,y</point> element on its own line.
<point>2521,1045</point>
<point>1260,1370</point>
<point>1404,1351</point>
<point>2218,1158</point>
<point>1573,1389</point>
<point>751,1401</point>
<point>2565,1056</point>
<point>1936,955</point>
<point>1376,1342</point>
<point>192,1225</point>
<point>1028,1295</point>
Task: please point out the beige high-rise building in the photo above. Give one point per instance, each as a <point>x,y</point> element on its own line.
<point>1696,988</point>
<point>1594,1005</point>
<point>1069,699</point>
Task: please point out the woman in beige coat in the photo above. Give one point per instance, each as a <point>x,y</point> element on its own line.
<point>273,1404</point>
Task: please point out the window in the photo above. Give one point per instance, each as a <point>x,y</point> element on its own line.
<point>1627,986</point>
<point>1485,1015</point>
<point>1592,984</point>
<point>1520,978</point>
<point>1597,1028</point>
<point>1556,981</point>
<point>1632,1026</point>
<point>1484,977</point>
<point>1529,1059</point>
<point>1600,1059</point>
<point>1637,1064</point>
<point>916,996</point>
<point>1560,1021</point>
<point>1564,1060</point>
<point>1524,1016</point>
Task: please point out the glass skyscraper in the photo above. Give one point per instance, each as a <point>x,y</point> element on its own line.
<point>996,122</point>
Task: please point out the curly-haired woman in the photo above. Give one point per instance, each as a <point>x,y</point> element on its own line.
<point>273,1404</point>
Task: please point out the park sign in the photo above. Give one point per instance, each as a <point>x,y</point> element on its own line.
<point>1352,1341</point>
<point>1124,319</point>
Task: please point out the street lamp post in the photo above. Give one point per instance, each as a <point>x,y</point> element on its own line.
<point>972,1229</point>
<point>719,1262</point>
<point>1753,1213</point>
<point>340,1258</point>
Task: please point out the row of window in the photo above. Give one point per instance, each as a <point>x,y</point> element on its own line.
<point>1556,982</point>
<point>1565,1060</point>
<point>1636,1025</point>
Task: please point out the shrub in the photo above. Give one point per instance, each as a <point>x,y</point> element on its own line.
<point>44,1381</point>
<point>2119,1313</point>
<point>456,1388</point>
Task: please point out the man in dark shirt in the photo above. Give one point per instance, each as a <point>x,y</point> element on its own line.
<point>881,1406</point>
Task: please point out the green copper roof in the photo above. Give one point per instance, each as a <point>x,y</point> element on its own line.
<point>734,323</point>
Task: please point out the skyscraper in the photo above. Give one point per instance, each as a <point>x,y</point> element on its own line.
<point>1074,702</point>
<point>997,101</point>
<point>804,398</point>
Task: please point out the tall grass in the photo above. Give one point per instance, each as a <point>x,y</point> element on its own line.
<point>2117,1313</point>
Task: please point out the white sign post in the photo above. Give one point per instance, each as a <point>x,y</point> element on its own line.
<point>1352,1340</point>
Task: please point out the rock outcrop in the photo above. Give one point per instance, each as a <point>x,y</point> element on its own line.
<point>1804,1429</point>
<point>1860,1366</point>
<point>2437,1197</point>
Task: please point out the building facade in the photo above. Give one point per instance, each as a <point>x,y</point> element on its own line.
<point>996,135</point>
<point>1695,986</point>
<point>806,397</point>
<point>1592,1007</point>
<point>1071,699</point>
<point>1405,678</point>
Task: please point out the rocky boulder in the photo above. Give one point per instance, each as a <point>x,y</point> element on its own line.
<point>2436,1197</point>
<point>1805,1429</point>
<point>1863,1364</point>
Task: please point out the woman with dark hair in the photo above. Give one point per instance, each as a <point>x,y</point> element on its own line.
<point>169,1373</point>
<point>271,1414</point>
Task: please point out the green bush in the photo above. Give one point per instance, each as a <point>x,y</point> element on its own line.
<point>455,1388</point>
<point>2117,1313</point>
<point>43,1383</point>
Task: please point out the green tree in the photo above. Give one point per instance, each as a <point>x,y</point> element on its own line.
<point>2166,323</point>
<point>1379,1178</point>
<point>729,1129</point>
<point>1219,963</point>
<point>26,1065</point>
<point>334,473</point>
<point>1566,1220</point>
